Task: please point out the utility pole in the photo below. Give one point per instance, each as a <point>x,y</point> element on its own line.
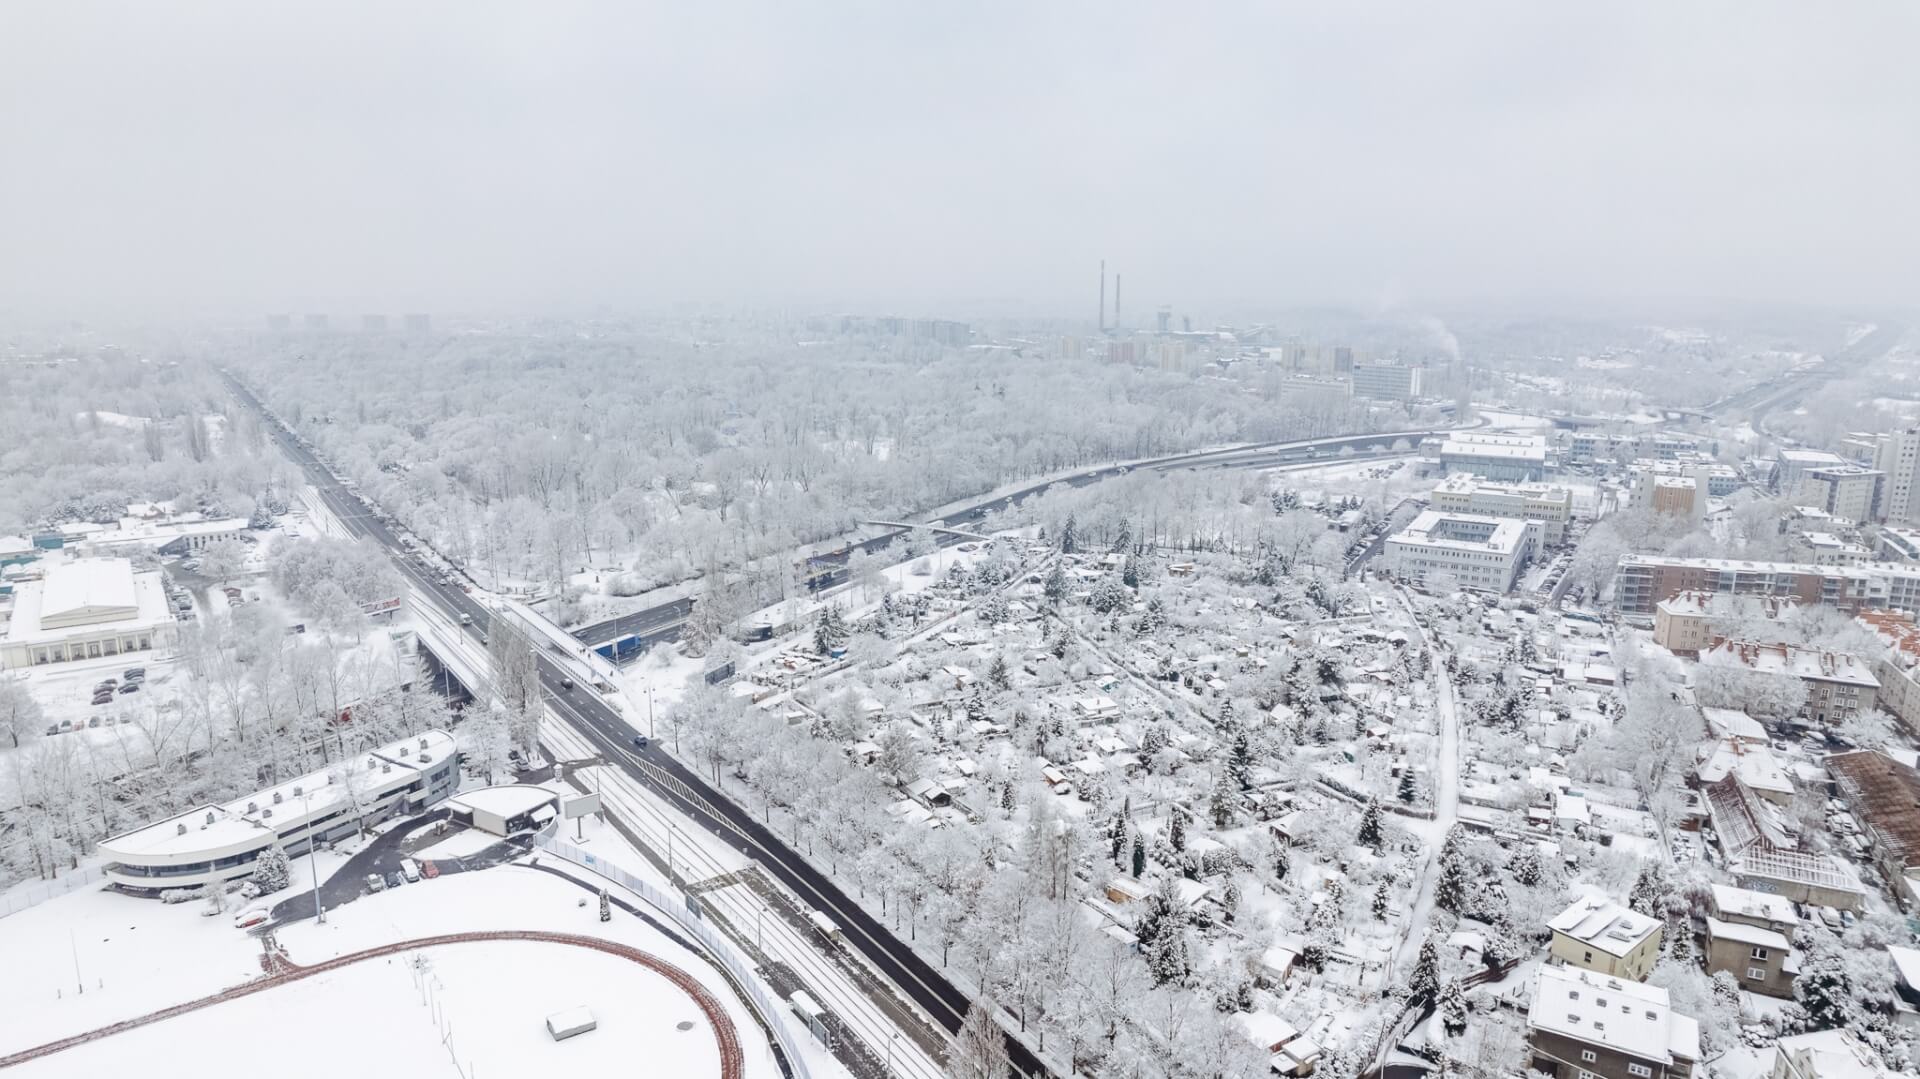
<point>313,863</point>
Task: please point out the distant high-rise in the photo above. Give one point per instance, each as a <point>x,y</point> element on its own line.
<point>419,324</point>
<point>373,323</point>
<point>1897,455</point>
<point>316,322</point>
<point>1163,318</point>
<point>279,323</point>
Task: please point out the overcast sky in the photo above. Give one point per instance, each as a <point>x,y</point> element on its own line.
<point>396,156</point>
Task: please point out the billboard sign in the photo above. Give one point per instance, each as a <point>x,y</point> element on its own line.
<point>580,805</point>
<point>382,606</point>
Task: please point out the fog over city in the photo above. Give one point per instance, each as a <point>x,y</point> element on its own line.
<point>228,156</point>
<point>960,541</point>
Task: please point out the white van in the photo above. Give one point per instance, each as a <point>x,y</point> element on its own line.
<point>410,869</point>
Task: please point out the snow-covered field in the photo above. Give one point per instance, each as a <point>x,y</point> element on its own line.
<point>134,956</point>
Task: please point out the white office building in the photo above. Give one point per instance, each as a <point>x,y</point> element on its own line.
<point>1551,506</point>
<point>1520,458</point>
<point>220,842</point>
<point>1846,491</point>
<point>88,608</point>
<point>1387,381</point>
<point>1479,553</point>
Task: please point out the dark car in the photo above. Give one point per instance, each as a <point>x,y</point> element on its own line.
<point>130,687</point>
<point>134,674</point>
<point>102,698</point>
<point>566,683</point>
<point>640,741</point>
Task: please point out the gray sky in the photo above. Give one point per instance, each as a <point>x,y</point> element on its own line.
<point>392,156</point>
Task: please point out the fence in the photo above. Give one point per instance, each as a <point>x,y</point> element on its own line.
<point>20,899</point>
<point>721,950</point>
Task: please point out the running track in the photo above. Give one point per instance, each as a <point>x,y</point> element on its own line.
<point>731,1061</point>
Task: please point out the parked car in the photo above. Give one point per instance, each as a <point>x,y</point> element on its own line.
<point>99,698</point>
<point>247,919</point>
<point>130,687</point>
<point>376,883</point>
<point>410,869</point>
<point>395,880</point>
<point>134,674</point>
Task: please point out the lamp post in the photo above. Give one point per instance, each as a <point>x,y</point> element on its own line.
<point>891,1038</point>
<point>313,862</point>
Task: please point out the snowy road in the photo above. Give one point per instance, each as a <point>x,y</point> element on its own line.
<point>1446,798</point>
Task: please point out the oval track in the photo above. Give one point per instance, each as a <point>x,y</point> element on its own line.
<point>732,1064</point>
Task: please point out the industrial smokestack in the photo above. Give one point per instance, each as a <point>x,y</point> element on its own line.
<point>1103,295</point>
<point>1116,301</point>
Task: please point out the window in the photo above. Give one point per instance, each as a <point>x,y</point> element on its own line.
<point>1587,1056</point>
<point>1759,955</point>
<point>1589,958</point>
<point>1640,1070</point>
<point>1756,974</point>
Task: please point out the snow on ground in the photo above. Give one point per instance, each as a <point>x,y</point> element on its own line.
<point>492,999</point>
<point>132,956</point>
<point>138,955</point>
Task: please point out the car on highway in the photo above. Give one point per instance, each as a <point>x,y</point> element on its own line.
<point>640,741</point>
<point>466,619</point>
<point>566,683</point>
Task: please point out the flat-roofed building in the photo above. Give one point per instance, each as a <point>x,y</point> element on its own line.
<point>1387,381</point>
<point>1642,581</point>
<point>220,842</point>
<point>88,608</point>
<point>1519,458</point>
<point>1482,554</point>
<point>1847,491</point>
<point>1791,467</point>
<point>1550,505</point>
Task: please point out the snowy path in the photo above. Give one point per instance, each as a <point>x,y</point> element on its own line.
<point>1446,799</point>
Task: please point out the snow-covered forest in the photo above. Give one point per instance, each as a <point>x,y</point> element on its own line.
<point>533,454</point>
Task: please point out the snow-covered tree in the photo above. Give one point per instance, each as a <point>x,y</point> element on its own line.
<point>1824,988</point>
<point>1371,834</point>
<point>270,870</point>
<point>998,676</point>
<point>1450,890</point>
<point>1453,1007</point>
<point>1424,980</point>
<point>980,1049</point>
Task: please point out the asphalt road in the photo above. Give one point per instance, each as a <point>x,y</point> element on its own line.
<point>614,738</point>
<point>1764,396</point>
<point>663,622</point>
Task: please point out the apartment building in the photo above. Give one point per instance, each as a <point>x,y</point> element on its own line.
<point>1897,455</point>
<point>1840,686</point>
<point>1642,581</point>
<point>1846,491</point>
<point>1583,1025</point>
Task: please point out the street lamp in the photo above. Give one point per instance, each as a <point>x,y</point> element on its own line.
<point>313,862</point>
<point>891,1038</point>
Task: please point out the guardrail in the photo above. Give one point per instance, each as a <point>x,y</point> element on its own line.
<point>719,948</point>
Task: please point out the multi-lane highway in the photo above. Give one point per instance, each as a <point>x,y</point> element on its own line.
<point>610,735</point>
<point>663,621</point>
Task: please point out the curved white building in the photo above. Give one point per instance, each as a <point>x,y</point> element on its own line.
<point>220,842</point>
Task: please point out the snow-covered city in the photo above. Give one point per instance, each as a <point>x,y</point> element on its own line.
<point>531,643</point>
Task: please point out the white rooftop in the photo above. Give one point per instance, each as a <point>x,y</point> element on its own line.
<point>1750,904</point>
<point>1747,934</point>
<point>88,584</point>
<point>86,594</point>
<point>505,801</point>
<point>1625,1016</point>
<point>1604,925</point>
